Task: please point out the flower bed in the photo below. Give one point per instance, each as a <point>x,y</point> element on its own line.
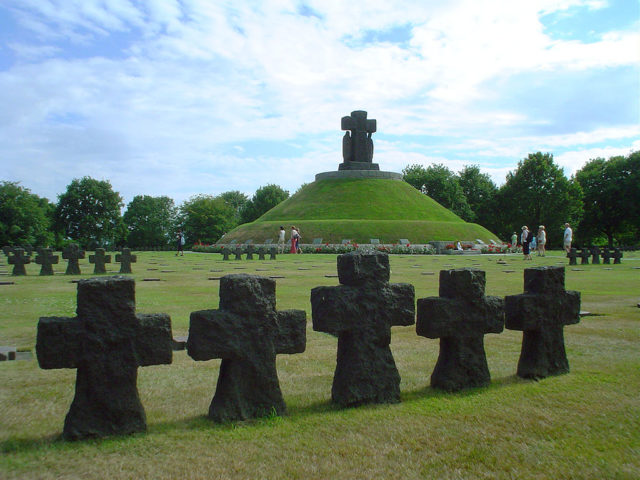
<point>336,248</point>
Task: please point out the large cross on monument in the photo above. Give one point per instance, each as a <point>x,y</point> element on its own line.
<point>46,259</point>
<point>361,312</point>
<point>126,259</point>
<point>72,253</point>
<point>247,333</point>
<point>99,260</point>
<point>357,144</point>
<point>460,317</point>
<point>106,342</point>
<point>19,259</point>
<point>541,313</point>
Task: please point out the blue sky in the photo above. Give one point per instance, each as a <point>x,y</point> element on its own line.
<point>186,97</point>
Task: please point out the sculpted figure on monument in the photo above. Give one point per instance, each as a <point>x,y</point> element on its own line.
<point>357,145</point>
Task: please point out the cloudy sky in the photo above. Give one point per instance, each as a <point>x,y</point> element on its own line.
<point>182,97</point>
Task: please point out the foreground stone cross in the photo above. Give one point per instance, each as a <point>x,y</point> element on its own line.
<point>460,317</point>
<point>99,259</point>
<point>19,259</point>
<point>541,313</point>
<point>72,253</point>
<point>46,259</point>
<point>247,333</point>
<point>106,342</point>
<point>357,145</point>
<point>361,312</point>
<point>125,258</point>
<point>573,256</point>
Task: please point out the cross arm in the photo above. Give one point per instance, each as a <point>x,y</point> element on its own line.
<point>153,339</point>
<point>371,126</point>
<point>348,123</point>
<point>448,317</point>
<point>218,334</point>
<point>335,309</point>
<point>59,342</point>
<point>401,302</point>
<point>292,331</point>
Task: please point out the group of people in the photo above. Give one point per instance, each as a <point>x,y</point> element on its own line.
<point>295,240</point>
<point>531,241</point>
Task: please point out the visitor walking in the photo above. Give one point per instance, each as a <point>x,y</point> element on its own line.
<point>514,242</point>
<point>567,238</point>
<point>294,238</point>
<point>542,240</point>
<point>281,235</point>
<point>524,240</point>
<point>180,243</point>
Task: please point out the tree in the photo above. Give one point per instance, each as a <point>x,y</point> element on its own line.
<point>236,200</point>
<point>262,201</point>
<point>205,218</point>
<point>25,218</point>
<point>538,193</point>
<point>480,192</point>
<point>149,221</point>
<point>89,213</point>
<point>442,185</point>
<point>611,198</point>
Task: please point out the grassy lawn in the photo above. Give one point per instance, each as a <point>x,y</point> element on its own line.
<point>582,425</point>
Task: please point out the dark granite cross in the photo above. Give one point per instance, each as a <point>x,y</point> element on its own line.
<point>19,259</point>
<point>261,253</point>
<point>249,252</point>
<point>617,256</point>
<point>361,312</point>
<point>272,253</point>
<point>357,145</point>
<point>99,259</point>
<point>225,253</point>
<point>7,250</point>
<point>595,253</point>
<point>106,342</point>
<point>126,259</point>
<point>238,252</point>
<point>572,255</point>
<point>606,256</point>
<point>585,253</point>
<point>541,313</point>
<point>72,253</point>
<point>247,333</point>
<point>460,317</point>
<point>47,259</point>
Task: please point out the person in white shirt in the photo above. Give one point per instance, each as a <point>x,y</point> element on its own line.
<point>542,240</point>
<point>281,235</point>
<point>568,234</point>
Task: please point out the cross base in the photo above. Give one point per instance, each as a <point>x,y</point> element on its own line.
<point>543,354</point>
<point>462,363</point>
<point>358,166</point>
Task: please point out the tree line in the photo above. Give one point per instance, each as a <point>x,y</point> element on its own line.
<point>601,201</point>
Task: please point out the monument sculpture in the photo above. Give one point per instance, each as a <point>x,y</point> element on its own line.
<point>106,342</point>
<point>357,144</point>
<point>247,333</point>
<point>360,312</point>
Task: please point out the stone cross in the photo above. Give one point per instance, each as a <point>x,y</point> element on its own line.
<point>460,317</point>
<point>238,252</point>
<point>272,253</point>
<point>225,253</point>
<point>7,250</point>
<point>573,255</point>
<point>126,259</point>
<point>249,252</point>
<point>357,145</point>
<point>261,253</point>
<point>99,259</point>
<point>361,312</point>
<point>106,342</point>
<point>617,256</point>
<point>595,252</point>
<point>541,313</point>
<point>19,259</point>
<point>247,333</point>
<point>606,256</point>
<point>46,258</point>
<point>585,253</point>
<point>72,253</point>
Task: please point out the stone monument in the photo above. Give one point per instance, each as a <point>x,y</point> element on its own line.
<point>247,333</point>
<point>19,258</point>
<point>46,259</point>
<point>460,317</point>
<point>106,342</point>
<point>125,258</point>
<point>360,312</point>
<point>541,313</point>
<point>99,259</point>
<point>72,253</point>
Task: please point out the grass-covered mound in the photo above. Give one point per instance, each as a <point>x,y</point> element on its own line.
<point>361,209</point>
